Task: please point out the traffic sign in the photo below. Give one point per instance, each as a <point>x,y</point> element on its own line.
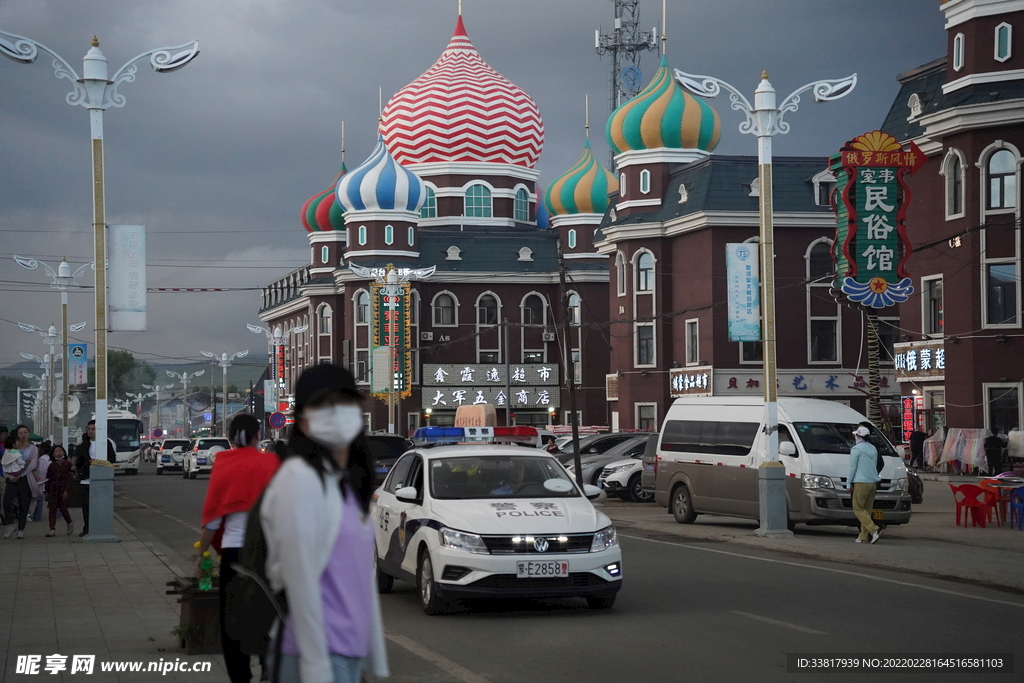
<point>277,420</point>
<point>157,433</point>
<point>57,406</point>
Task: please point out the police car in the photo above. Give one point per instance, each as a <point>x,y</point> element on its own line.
<point>484,519</point>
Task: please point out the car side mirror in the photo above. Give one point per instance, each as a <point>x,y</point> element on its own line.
<point>594,494</point>
<point>406,493</point>
<point>787,448</point>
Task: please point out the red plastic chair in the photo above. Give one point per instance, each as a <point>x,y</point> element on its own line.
<point>997,497</point>
<point>974,499</point>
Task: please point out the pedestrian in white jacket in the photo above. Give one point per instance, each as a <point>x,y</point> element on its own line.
<point>320,539</point>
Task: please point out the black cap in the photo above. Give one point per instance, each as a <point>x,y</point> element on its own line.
<point>321,379</point>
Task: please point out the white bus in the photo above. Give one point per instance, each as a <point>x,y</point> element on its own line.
<point>125,430</point>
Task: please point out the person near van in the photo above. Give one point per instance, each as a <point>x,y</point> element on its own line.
<point>917,439</point>
<point>320,538</point>
<point>994,452</point>
<point>863,480</point>
<point>85,453</point>
<point>238,478</point>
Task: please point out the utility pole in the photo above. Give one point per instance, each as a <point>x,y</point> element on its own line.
<point>508,376</point>
<point>570,371</point>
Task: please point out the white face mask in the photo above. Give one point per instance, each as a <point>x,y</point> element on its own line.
<point>335,426</point>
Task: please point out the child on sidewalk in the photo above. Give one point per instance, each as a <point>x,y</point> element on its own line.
<point>57,488</point>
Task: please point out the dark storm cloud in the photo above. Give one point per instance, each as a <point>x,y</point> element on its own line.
<point>217,159</point>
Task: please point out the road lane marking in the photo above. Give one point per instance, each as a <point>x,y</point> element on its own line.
<point>882,579</point>
<point>158,511</point>
<point>776,622</point>
<point>441,662</point>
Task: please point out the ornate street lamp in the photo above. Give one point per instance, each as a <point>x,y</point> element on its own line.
<point>224,361</point>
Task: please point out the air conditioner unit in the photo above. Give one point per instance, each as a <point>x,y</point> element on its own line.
<point>426,336</point>
<point>549,336</point>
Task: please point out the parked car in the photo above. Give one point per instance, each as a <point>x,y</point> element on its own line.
<point>593,444</point>
<point>622,478</point>
<point>915,486</point>
<point>592,464</point>
<point>650,465</point>
<point>201,454</point>
<point>169,454</point>
<point>386,449</point>
<point>265,446</point>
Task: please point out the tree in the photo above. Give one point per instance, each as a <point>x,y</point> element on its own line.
<point>124,374</point>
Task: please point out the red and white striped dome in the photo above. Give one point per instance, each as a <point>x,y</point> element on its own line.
<point>462,110</point>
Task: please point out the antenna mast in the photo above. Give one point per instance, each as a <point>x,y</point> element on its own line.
<point>625,44</point>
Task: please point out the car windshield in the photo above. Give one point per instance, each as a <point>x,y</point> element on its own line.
<point>125,434</point>
<point>206,444</point>
<point>168,445</point>
<point>387,447</point>
<point>827,437</point>
<point>499,477</point>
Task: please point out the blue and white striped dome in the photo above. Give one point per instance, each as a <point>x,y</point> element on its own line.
<point>381,184</point>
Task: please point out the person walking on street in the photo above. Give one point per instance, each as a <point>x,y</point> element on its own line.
<point>320,539</point>
<point>236,482</point>
<point>917,439</point>
<point>994,452</point>
<point>36,506</point>
<point>863,479</point>
<point>85,453</point>
<point>21,484</point>
<point>57,490</point>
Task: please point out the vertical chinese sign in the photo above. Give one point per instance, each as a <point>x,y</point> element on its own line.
<point>742,275</point>
<point>392,327</point>
<point>126,256</point>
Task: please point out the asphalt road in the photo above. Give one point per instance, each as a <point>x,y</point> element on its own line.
<point>689,610</point>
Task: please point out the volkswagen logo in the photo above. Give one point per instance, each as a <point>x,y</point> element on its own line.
<point>541,544</point>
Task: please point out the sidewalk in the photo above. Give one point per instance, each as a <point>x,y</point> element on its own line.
<point>63,596</point>
<point>930,545</point>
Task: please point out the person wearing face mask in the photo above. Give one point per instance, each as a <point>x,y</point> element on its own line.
<point>236,482</point>
<point>320,540</point>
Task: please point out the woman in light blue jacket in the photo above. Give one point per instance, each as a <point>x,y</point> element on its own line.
<point>862,480</point>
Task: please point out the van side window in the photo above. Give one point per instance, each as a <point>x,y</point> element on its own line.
<point>712,438</point>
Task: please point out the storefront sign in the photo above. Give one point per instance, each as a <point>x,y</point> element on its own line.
<point>460,375</point>
<point>807,383</point>
<point>449,398</point>
<point>743,285</point>
<point>529,385</point>
<point>611,387</point>
<point>696,381</point>
<point>920,361</point>
<point>126,298</point>
<point>907,421</point>
<point>871,246</point>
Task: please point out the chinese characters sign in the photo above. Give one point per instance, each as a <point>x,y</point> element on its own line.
<point>529,386</point>
<point>907,412</point>
<point>871,247</point>
<point>391,327</point>
<point>78,361</point>
<point>741,267</point>
<point>126,255</point>
<point>920,361</point>
<point>691,381</point>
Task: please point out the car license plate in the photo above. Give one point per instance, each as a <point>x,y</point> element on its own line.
<point>201,461</point>
<point>649,467</point>
<point>877,514</point>
<point>533,570</point>
<point>165,458</point>
<point>382,469</point>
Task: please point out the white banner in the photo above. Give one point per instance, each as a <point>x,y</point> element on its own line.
<point>383,370</point>
<point>269,396</point>
<point>126,288</point>
<point>743,283</point>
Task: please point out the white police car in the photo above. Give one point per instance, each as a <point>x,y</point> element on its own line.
<point>487,520</point>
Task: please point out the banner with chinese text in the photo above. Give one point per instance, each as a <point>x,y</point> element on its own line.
<point>743,284</point>
<point>391,327</point>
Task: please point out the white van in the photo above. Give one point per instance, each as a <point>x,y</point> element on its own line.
<point>710,450</point>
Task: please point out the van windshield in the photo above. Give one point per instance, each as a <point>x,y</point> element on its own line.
<point>827,437</point>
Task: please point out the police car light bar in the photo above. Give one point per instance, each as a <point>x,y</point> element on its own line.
<point>434,436</point>
<point>518,434</point>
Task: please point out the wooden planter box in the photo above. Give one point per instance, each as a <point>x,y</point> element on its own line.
<point>199,628</point>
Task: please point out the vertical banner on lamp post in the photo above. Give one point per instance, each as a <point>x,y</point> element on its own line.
<point>743,285</point>
<point>382,373</point>
<point>126,298</point>
<point>78,362</point>
<point>269,395</point>
<point>392,327</point>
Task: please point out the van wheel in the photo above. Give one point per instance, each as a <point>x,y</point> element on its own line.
<point>637,493</point>
<point>429,599</point>
<point>682,505</point>
<point>791,525</point>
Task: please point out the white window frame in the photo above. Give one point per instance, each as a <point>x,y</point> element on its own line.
<point>946,172</point>
<point>815,290</point>
<point>429,209</point>
<point>645,181</point>
<point>636,414</point>
<point>325,254</point>
<point>572,239</point>
<point>320,316</point>
<point>434,310</point>
<point>983,162</point>
<point>1009,42</point>
<point>986,386</point>
<point>636,345</point>
<point>622,185</point>
<point>925,313</point>
<point>362,235</point>
<point>412,235</point>
<point>389,234</point>
<point>621,275</point>
<point>958,52</point>
<point>692,354</point>
<point>480,327</point>
<point>823,178</point>
<point>365,319</point>
<point>637,255</point>
<point>487,210</point>
<point>521,201</point>
<point>523,326</point>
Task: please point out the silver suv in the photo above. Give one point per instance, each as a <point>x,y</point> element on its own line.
<point>169,454</point>
<point>200,455</point>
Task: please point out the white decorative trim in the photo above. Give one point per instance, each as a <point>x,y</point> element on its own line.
<point>574,219</point>
<point>985,77</point>
<point>960,119</point>
<point>638,202</point>
<point>472,169</point>
<point>382,252</point>
<point>376,215</point>
<point>659,155</point>
<point>684,195</point>
<point>954,153</point>
<point>819,178</point>
<point>455,221</point>
<point>454,254</point>
<point>645,179</point>
<point>332,236</point>
<point>525,254</point>
<point>959,50</point>
<point>914,105</point>
<point>1009,42</point>
<point>576,256</point>
<point>433,318</point>
<point>755,187</point>
<point>959,11</point>
<point>499,192</point>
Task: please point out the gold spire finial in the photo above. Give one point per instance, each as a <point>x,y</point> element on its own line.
<point>664,28</point>
<point>95,41</point>
<point>343,142</point>
<point>460,8</point>
<point>586,126</point>
<point>764,75</point>
<point>380,104</point>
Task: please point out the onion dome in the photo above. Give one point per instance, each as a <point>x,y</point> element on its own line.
<point>664,115</point>
<point>321,212</point>
<point>462,110</point>
<point>381,184</point>
<point>584,188</point>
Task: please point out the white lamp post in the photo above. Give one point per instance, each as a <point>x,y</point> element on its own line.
<point>96,92</point>
<point>275,340</point>
<point>224,361</point>
<point>138,399</point>
<point>185,378</point>
<point>765,120</point>
<point>156,392</point>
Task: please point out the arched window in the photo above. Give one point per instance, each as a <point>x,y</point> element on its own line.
<point>362,234</point>
<point>362,308</point>
<point>958,52</point>
<point>954,173</point>
<point>389,234</point>
<point>620,273</point>
<point>487,310</point>
<point>522,205</point>
<point>533,310</point>
<point>572,239</point>
<point>819,263</point>
<point>429,209</point>
<point>1002,180</point>
<point>412,236</point>
<point>444,309</point>
<point>324,254</point>
<point>478,202</point>
<point>645,181</point>
<point>823,319</point>
<point>574,308</point>
<point>645,272</point>
<point>324,316</point>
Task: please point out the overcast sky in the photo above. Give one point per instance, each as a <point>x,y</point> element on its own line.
<point>218,158</point>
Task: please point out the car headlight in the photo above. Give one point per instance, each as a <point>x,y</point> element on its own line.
<point>471,543</point>
<point>620,468</point>
<point>817,481</point>
<point>900,484</point>
<point>604,539</point>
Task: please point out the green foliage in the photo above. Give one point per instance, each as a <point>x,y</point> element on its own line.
<point>124,374</point>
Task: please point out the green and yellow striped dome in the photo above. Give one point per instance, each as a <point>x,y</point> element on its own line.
<point>664,115</point>
<point>584,188</point>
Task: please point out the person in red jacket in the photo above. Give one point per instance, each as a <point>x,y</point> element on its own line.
<point>236,482</point>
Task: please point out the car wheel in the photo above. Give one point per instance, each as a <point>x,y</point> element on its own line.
<point>159,471</point>
<point>682,505</point>
<point>132,472</point>
<point>601,603</point>
<point>637,493</point>
<point>193,474</point>
<point>385,582</point>
<point>184,471</point>
<point>431,601</point>
<point>596,479</point>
